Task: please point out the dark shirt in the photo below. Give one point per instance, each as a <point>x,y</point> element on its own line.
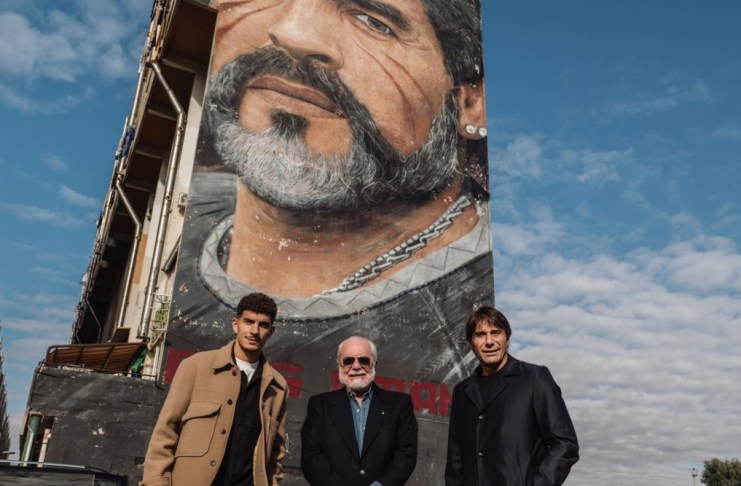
<point>487,384</point>
<point>236,467</point>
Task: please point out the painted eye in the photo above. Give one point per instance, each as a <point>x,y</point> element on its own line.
<point>375,24</point>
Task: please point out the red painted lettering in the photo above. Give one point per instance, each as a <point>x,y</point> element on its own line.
<point>424,396</point>
<point>289,372</point>
<point>445,400</point>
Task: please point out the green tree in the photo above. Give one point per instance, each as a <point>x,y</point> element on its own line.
<point>722,472</point>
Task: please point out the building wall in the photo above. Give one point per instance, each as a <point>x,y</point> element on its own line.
<point>4,421</point>
<point>266,211</point>
<point>97,420</point>
<point>243,233</point>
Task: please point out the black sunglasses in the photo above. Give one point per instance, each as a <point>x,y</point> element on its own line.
<point>363,360</point>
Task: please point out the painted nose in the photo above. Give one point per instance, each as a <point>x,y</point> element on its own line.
<point>308,30</point>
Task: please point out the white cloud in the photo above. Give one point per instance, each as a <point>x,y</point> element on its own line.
<point>597,167</point>
<point>732,132</point>
<point>53,307</point>
<point>114,64</point>
<point>520,240</point>
<point>636,197</point>
<point>644,347</point>
<point>73,44</point>
<point>76,199</point>
<point>684,225</point>
<point>55,162</point>
<point>27,104</point>
<point>50,43</point>
<point>644,342</point>
<point>520,158</point>
<point>34,213</point>
<point>704,265</point>
<point>53,274</point>
<point>727,217</point>
<point>33,52</point>
<point>675,91</point>
<point>34,326</point>
<point>530,156</point>
<point>18,49</point>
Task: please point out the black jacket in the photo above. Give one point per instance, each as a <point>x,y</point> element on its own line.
<point>329,450</point>
<point>521,436</point>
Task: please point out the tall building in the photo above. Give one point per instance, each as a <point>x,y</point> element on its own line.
<point>4,421</point>
<point>334,159</point>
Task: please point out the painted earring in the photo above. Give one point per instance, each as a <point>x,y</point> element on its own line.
<point>472,130</point>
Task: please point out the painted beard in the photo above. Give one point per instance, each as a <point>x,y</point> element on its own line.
<point>278,166</point>
<point>357,385</point>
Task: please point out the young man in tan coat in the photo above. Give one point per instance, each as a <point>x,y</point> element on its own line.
<point>223,421</point>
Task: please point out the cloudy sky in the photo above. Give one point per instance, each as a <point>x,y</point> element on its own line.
<point>615,162</point>
<point>615,152</point>
<point>67,75</point>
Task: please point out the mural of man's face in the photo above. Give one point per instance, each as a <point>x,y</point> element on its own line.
<point>332,104</point>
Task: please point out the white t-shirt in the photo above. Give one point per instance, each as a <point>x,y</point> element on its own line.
<point>247,367</point>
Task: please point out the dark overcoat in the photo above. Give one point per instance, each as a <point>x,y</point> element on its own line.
<point>329,450</point>
<point>521,436</point>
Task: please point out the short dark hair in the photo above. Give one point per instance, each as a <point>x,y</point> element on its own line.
<point>259,303</point>
<point>457,24</point>
<point>490,315</point>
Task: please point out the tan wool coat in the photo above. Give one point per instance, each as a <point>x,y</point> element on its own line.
<point>190,437</point>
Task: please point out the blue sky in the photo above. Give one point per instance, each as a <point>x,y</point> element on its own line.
<point>615,152</point>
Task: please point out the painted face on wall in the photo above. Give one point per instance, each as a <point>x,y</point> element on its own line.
<point>386,52</point>
<point>352,94</point>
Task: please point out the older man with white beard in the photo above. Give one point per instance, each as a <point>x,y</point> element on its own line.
<point>360,434</point>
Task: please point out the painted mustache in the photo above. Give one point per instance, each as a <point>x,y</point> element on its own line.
<point>278,165</point>
<point>318,85</point>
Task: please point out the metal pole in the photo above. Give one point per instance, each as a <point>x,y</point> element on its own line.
<point>132,254</point>
<point>159,241</point>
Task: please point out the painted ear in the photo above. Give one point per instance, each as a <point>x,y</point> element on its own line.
<point>471,110</point>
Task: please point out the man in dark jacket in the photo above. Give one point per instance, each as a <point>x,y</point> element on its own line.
<point>361,434</point>
<point>508,422</point>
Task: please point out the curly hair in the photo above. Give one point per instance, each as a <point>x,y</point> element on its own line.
<point>259,303</point>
